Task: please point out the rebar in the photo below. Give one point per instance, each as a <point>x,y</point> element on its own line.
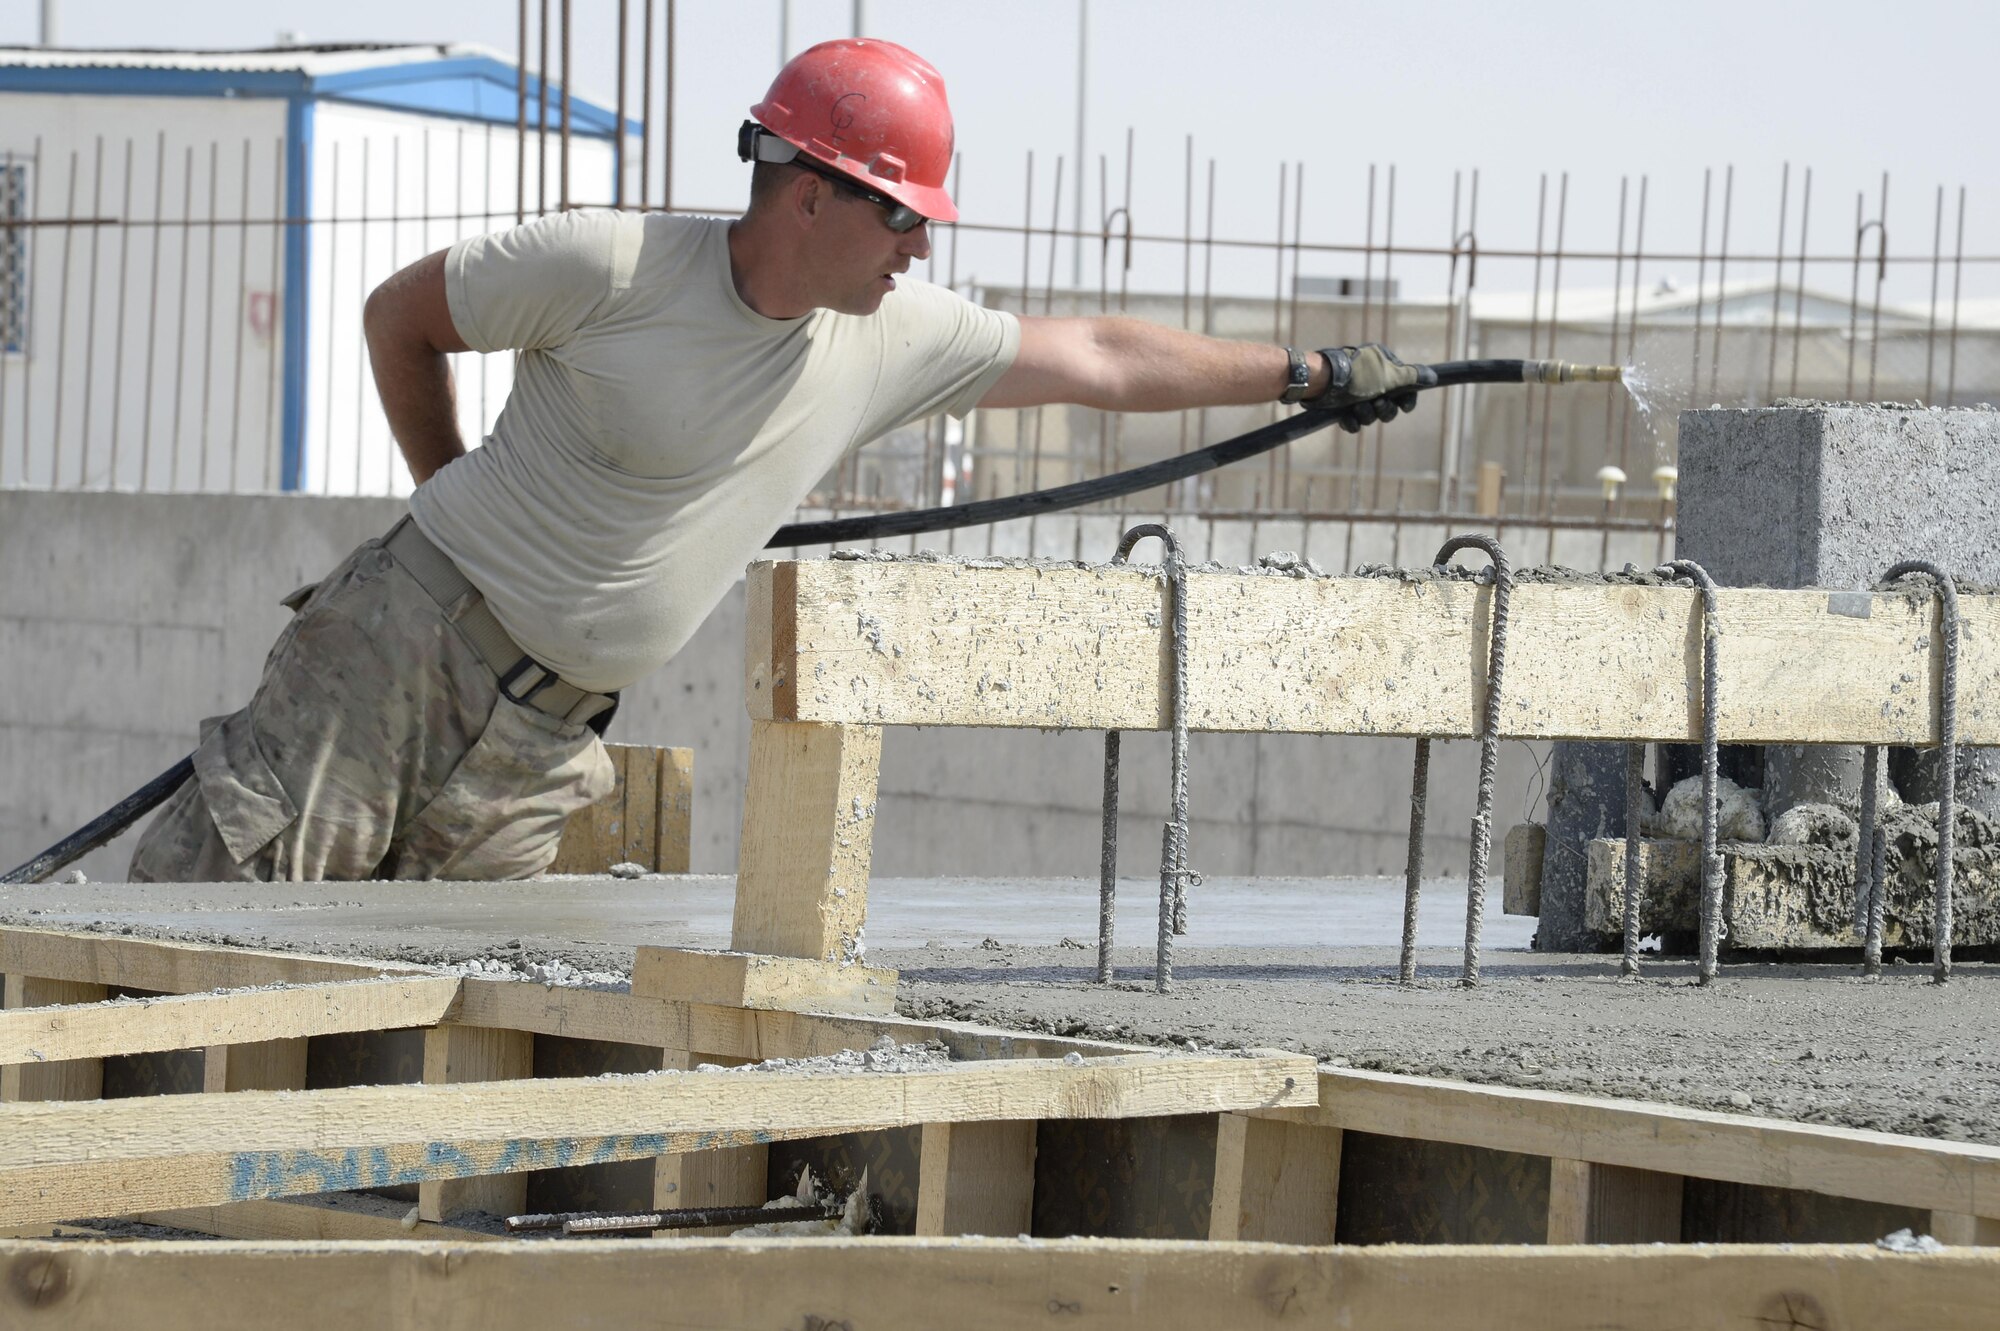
<point>1175,876</point>
<point>1635,794</point>
<point>1864,849</point>
<point>1107,862</point>
<point>1711,862</point>
<point>1489,743</point>
<point>689,1217</point>
<point>1947,755</point>
<point>1413,867</point>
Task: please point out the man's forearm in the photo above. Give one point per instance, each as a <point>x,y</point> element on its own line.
<point>421,402</point>
<point>408,325</point>
<point>1153,368</point>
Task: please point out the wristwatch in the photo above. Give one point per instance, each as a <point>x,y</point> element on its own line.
<point>1297,376</point>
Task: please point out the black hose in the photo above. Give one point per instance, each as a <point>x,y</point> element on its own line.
<point>1152,475</point>
<point>1262,440</point>
<point>103,827</point>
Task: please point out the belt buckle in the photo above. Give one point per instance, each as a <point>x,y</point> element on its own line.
<point>520,668</point>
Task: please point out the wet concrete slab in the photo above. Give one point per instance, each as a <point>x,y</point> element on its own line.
<point>1306,964</point>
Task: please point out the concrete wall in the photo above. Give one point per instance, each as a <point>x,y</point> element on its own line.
<point>126,619</point>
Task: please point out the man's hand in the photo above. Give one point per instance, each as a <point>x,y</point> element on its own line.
<point>1368,384</point>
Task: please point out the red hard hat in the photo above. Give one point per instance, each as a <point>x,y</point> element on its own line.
<point>871,110</point>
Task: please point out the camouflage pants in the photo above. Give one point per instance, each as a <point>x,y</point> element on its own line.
<point>378,745</point>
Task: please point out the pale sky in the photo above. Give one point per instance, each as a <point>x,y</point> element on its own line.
<point>1433,86</point>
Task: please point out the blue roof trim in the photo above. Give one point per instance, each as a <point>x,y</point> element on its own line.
<point>148,81</point>
<point>469,88</point>
<point>477,88</point>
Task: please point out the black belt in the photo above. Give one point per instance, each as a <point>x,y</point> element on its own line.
<point>522,678</point>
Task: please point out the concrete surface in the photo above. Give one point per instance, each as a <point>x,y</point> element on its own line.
<point>125,619</point>
<point>1307,964</point>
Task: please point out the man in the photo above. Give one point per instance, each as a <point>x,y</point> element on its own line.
<point>434,708</point>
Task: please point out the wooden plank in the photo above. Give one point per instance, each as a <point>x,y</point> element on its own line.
<point>1923,1172</point>
<point>455,1055</point>
<point>641,832</point>
<point>1275,1182</point>
<point>1607,1204</point>
<point>911,643</point>
<point>1965,1231</point>
<point>190,1021</point>
<point>80,1079</point>
<point>676,810</point>
<point>976,1178</point>
<point>121,1156</point>
<point>348,1217</point>
<point>988,1284</point>
<point>808,832</point>
<point>268,1065</point>
<point>173,968</point>
<point>753,980</point>
<point>595,1014</point>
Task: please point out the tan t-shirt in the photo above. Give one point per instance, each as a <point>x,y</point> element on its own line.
<point>659,429</point>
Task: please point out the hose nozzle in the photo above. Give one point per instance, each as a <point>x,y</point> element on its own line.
<point>1563,372</point>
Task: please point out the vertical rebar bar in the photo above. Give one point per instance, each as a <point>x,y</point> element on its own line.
<point>1489,740</point>
<point>646,108</point>
<point>521,116</point>
<point>1947,825</point>
<point>242,296</point>
<point>566,81</point>
<point>1632,319</point>
<point>1701,281</point>
<point>1388,284</point>
<point>28,326</point>
<point>1534,317</point>
<point>1957,273</point>
<point>1930,329</point>
<point>90,315</point>
<point>208,315</point>
<point>366,224</point>
<point>1635,845</point>
<point>1799,293</point>
<point>1777,282</point>
<point>1544,476</point>
<point>1721,282</point>
<point>62,329</point>
<point>1107,860</point>
<point>275,334</point>
<point>542,115</point>
<point>180,320</point>
<point>1864,843</point>
<point>1413,864</point>
<point>618,131</point>
<point>668,90</point>
<point>153,308</point>
<point>332,303</point>
<point>1881,272</point>
<point>1613,392</point>
<point>118,343</point>
<point>1711,687</point>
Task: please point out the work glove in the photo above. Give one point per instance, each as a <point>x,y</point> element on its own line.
<point>1369,385</point>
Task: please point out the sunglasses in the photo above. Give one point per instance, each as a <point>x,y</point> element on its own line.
<point>898,217</point>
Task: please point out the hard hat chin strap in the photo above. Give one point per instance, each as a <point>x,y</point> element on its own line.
<point>754,143</point>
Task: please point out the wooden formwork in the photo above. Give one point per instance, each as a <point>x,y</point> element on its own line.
<point>224,1160</point>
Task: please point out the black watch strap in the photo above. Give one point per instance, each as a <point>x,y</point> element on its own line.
<point>1297,376</point>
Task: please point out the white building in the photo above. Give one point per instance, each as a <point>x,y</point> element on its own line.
<point>184,310</point>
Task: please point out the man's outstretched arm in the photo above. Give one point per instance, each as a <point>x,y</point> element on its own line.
<point>410,332</point>
<point>1120,364</point>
